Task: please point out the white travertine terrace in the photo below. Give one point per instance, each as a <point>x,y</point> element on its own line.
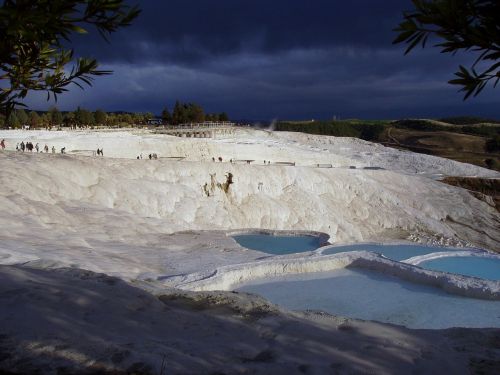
<point>66,220</point>
<point>350,205</point>
<point>117,214</point>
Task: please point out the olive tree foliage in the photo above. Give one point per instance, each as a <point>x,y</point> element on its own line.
<point>100,117</point>
<point>458,25</point>
<point>56,117</point>
<point>22,116</point>
<point>34,119</point>
<point>34,35</point>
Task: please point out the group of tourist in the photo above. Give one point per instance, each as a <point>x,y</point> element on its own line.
<point>152,156</point>
<point>99,152</point>
<point>28,146</point>
<point>266,162</point>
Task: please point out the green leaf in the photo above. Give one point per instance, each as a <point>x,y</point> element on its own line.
<point>78,29</point>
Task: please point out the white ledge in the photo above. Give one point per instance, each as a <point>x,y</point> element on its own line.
<point>229,277</point>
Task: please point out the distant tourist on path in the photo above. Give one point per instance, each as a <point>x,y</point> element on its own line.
<point>17,147</point>
<point>220,159</point>
<point>53,150</point>
<point>2,144</point>
<point>63,150</point>
<point>37,148</point>
<point>46,149</point>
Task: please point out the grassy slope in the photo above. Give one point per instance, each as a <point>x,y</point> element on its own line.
<point>464,143</point>
<point>461,147</point>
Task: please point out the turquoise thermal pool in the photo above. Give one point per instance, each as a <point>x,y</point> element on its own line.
<point>369,295</point>
<point>394,252</point>
<point>482,267</point>
<point>278,245</point>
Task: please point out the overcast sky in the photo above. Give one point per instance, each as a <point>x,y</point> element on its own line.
<point>267,59</point>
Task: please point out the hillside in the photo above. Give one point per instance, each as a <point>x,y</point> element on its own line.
<point>458,139</point>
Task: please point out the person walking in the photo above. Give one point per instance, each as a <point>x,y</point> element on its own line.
<point>22,146</point>
<point>2,144</point>
<point>46,149</point>
<point>37,148</point>
<point>53,149</point>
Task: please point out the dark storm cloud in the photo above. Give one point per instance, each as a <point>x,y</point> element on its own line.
<point>273,59</point>
<point>195,30</point>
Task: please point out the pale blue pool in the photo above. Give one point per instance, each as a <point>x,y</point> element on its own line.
<point>394,252</point>
<point>371,296</point>
<point>278,245</point>
<point>485,268</point>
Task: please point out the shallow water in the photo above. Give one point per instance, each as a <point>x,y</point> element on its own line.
<point>371,296</point>
<point>485,268</point>
<point>394,252</point>
<point>278,245</point>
